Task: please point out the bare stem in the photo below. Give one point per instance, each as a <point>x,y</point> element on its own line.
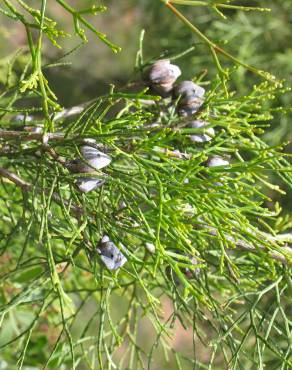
<point>23,135</point>
<point>25,186</point>
<point>65,113</point>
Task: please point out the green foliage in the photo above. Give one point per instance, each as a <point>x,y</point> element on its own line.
<point>219,263</point>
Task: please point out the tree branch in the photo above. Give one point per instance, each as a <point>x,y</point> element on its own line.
<point>57,136</point>
<point>243,245</point>
<point>239,243</point>
<point>23,135</point>
<point>65,113</point>
<point>26,187</point>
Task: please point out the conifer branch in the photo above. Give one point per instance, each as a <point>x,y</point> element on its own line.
<point>27,187</point>
<point>239,243</point>
<point>285,258</point>
<point>100,202</point>
<point>23,135</point>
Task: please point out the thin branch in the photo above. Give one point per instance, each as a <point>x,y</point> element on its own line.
<point>240,244</point>
<point>57,136</point>
<point>23,135</point>
<point>215,47</point>
<point>243,245</point>
<point>72,111</point>
<point>26,187</point>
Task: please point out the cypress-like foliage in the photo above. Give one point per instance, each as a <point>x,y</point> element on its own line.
<point>147,212</point>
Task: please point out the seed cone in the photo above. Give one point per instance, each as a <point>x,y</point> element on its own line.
<point>93,160</point>
<point>207,135</point>
<point>111,256</point>
<point>186,91</point>
<point>161,76</point>
<point>190,97</point>
<point>86,184</point>
<point>150,247</point>
<point>217,161</point>
<point>21,118</point>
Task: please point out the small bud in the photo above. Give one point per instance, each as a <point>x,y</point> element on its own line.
<point>111,256</point>
<point>201,138</point>
<point>217,161</point>
<point>105,239</point>
<point>161,76</point>
<point>86,184</point>
<point>150,247</point>
<point>122,205</point>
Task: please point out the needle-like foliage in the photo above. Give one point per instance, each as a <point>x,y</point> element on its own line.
<point>207,250</point>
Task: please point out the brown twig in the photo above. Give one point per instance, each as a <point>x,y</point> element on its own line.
<point>25,186</point>
<point>23,135</point>
<point>45,138</point>
<point>73,111</point>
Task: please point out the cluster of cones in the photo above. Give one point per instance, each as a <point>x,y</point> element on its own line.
<point>91,160</point>
<point>189,97</point>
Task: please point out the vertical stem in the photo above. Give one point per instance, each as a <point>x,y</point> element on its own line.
<point>39,70</point>
<point>31,45</point>
<point>214,47</point>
